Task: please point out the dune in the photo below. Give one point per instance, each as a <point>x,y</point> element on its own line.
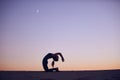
<point>62,75</point>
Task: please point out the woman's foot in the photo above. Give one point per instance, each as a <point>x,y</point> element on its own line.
<point>55,70</point>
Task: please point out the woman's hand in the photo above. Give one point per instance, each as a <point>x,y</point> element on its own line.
<point>63,60</point>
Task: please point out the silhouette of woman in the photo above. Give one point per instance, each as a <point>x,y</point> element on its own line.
<point>55,58</point>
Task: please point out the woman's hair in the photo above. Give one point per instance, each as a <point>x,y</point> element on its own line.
<point>55,57</point>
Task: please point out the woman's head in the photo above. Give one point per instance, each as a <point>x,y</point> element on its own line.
<point>55,57</point>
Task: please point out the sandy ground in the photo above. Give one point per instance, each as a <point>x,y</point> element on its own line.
<point>63,75</point>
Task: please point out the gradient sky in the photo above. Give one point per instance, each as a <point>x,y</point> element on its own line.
<point>87,33</point>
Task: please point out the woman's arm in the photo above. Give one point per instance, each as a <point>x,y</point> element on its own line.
<point>60,56</point>
<point>53,64</point>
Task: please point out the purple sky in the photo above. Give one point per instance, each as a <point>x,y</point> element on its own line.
<point>86,32</point>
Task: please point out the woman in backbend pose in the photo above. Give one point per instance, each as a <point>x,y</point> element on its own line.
<point>55,58</point>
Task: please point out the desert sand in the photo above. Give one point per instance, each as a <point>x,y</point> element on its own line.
<point>62,75</point>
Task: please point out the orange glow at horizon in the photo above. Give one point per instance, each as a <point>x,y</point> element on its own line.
<point>62,66</point>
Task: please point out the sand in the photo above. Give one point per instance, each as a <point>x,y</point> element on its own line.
<point>62,75</point>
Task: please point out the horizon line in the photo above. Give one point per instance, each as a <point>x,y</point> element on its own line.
<point>60,70</point>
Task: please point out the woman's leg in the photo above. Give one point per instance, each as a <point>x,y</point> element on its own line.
<point>45,66</point>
